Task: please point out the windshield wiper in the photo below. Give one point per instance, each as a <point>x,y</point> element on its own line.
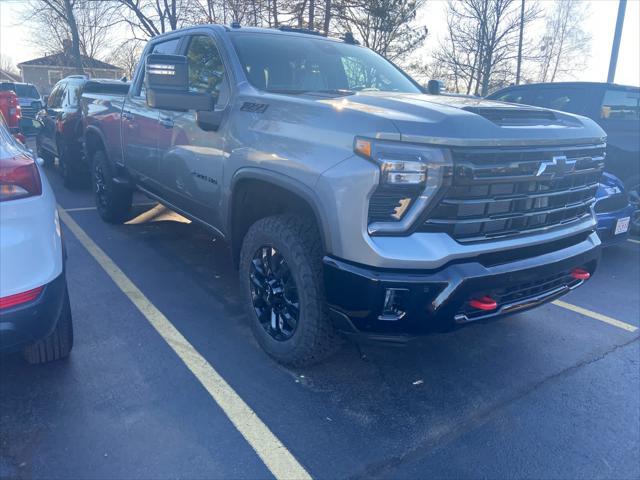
<point>287,91</point>
<point>336,91</point>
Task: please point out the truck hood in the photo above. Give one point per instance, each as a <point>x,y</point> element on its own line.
<point>448,120</point>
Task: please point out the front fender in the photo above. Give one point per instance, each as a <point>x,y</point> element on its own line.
<point>285,182</point>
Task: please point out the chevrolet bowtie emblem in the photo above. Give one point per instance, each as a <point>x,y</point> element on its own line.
<point>558,167</point>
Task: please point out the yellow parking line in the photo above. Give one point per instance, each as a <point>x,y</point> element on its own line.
<point>276,457</point>
<point>633,240</point>
<point>597,316</point>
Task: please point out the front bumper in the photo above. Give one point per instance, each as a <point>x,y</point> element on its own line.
<point>26,324</point>
<point>438,300</point>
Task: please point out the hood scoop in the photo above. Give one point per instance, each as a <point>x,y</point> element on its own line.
<point>515,116</point>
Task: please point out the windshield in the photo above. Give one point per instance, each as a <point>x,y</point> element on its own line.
<point>287,64</point>
<point>22,90</point>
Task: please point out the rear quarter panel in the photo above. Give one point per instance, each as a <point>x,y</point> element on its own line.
<point>30,242</point>
<point>102,116</point>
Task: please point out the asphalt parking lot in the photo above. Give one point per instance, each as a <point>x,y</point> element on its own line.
<point>166,380</point>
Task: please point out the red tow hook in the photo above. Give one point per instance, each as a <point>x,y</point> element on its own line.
<point>483,303</point>
<point>580,274</point>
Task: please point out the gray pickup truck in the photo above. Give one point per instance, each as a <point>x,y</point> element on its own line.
<point>352,201</point>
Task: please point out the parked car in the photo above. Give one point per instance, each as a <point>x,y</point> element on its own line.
<point>613,210</point>
<point>616,108</point>
<point>35,314</point>
<point>28,97</point>
<point>62,135</point>
<point>352,201</point>
<point>10,110</point>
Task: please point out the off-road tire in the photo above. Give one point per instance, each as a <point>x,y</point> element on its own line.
<point>297,240</point>
<point>57,344</point>
<point>113,201</point>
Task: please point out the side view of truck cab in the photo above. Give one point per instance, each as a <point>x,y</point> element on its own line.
<point>353,202</point>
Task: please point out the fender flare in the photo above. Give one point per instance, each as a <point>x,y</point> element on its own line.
<point>287,183</point>
<point>91,130</point>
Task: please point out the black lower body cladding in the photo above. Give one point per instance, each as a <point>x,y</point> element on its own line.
<point>389,303</point>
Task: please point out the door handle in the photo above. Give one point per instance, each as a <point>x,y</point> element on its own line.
<point>127,115</point>
<point>166,122</point>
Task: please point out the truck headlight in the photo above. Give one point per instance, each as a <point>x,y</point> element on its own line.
<point>410,177</point>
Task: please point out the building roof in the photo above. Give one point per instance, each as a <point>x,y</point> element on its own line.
<point>65,60</point>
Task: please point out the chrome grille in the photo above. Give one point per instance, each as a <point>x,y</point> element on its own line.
<point>512,191</point>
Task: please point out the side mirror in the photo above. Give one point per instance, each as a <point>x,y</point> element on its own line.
<point>45,101</point>
<point>435,87</point>
<point>167,84</point>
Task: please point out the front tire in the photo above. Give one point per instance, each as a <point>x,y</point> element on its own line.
<point>281,276</point>
<point>57,344</point>
<point>113,201</point>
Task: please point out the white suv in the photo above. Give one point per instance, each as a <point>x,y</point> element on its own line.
<point>35,315</point>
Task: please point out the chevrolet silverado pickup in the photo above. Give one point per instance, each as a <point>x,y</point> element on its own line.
<point>352,201</point>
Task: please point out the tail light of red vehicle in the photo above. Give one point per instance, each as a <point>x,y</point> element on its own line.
<point>10,108</point>
<point>19,178</point>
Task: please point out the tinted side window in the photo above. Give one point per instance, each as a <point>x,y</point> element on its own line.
<point>169,47</point>
<point>620,105</point>
<point>55,99</point>
<point>572,100</point>
<point>73,94</point>
<point>206,70</point>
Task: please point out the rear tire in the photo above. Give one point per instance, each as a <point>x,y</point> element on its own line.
<point>57,344</point>
<point>49,159</point>
<point>113,201</point>
<point>296,241</point>
<point>70,168</point>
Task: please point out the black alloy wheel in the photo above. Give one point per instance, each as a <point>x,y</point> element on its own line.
<point>100,187</point>
<point>274,293</point>
<point>113,201</point>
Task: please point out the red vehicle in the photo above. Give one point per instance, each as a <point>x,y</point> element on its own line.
<point>10,110</point>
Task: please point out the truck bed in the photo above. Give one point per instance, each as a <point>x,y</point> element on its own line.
<point>102,102</point>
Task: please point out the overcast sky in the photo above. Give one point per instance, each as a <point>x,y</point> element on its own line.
<point>601,24</point>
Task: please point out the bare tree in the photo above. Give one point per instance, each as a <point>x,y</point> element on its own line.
<point>565,45</point>
<point>148,18</point>
<point>7,65</point>
<point>386,26</point>
<point>482,43</point>
<point>63,13</point>
<point>126,56</point>
<point>93,21</point>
